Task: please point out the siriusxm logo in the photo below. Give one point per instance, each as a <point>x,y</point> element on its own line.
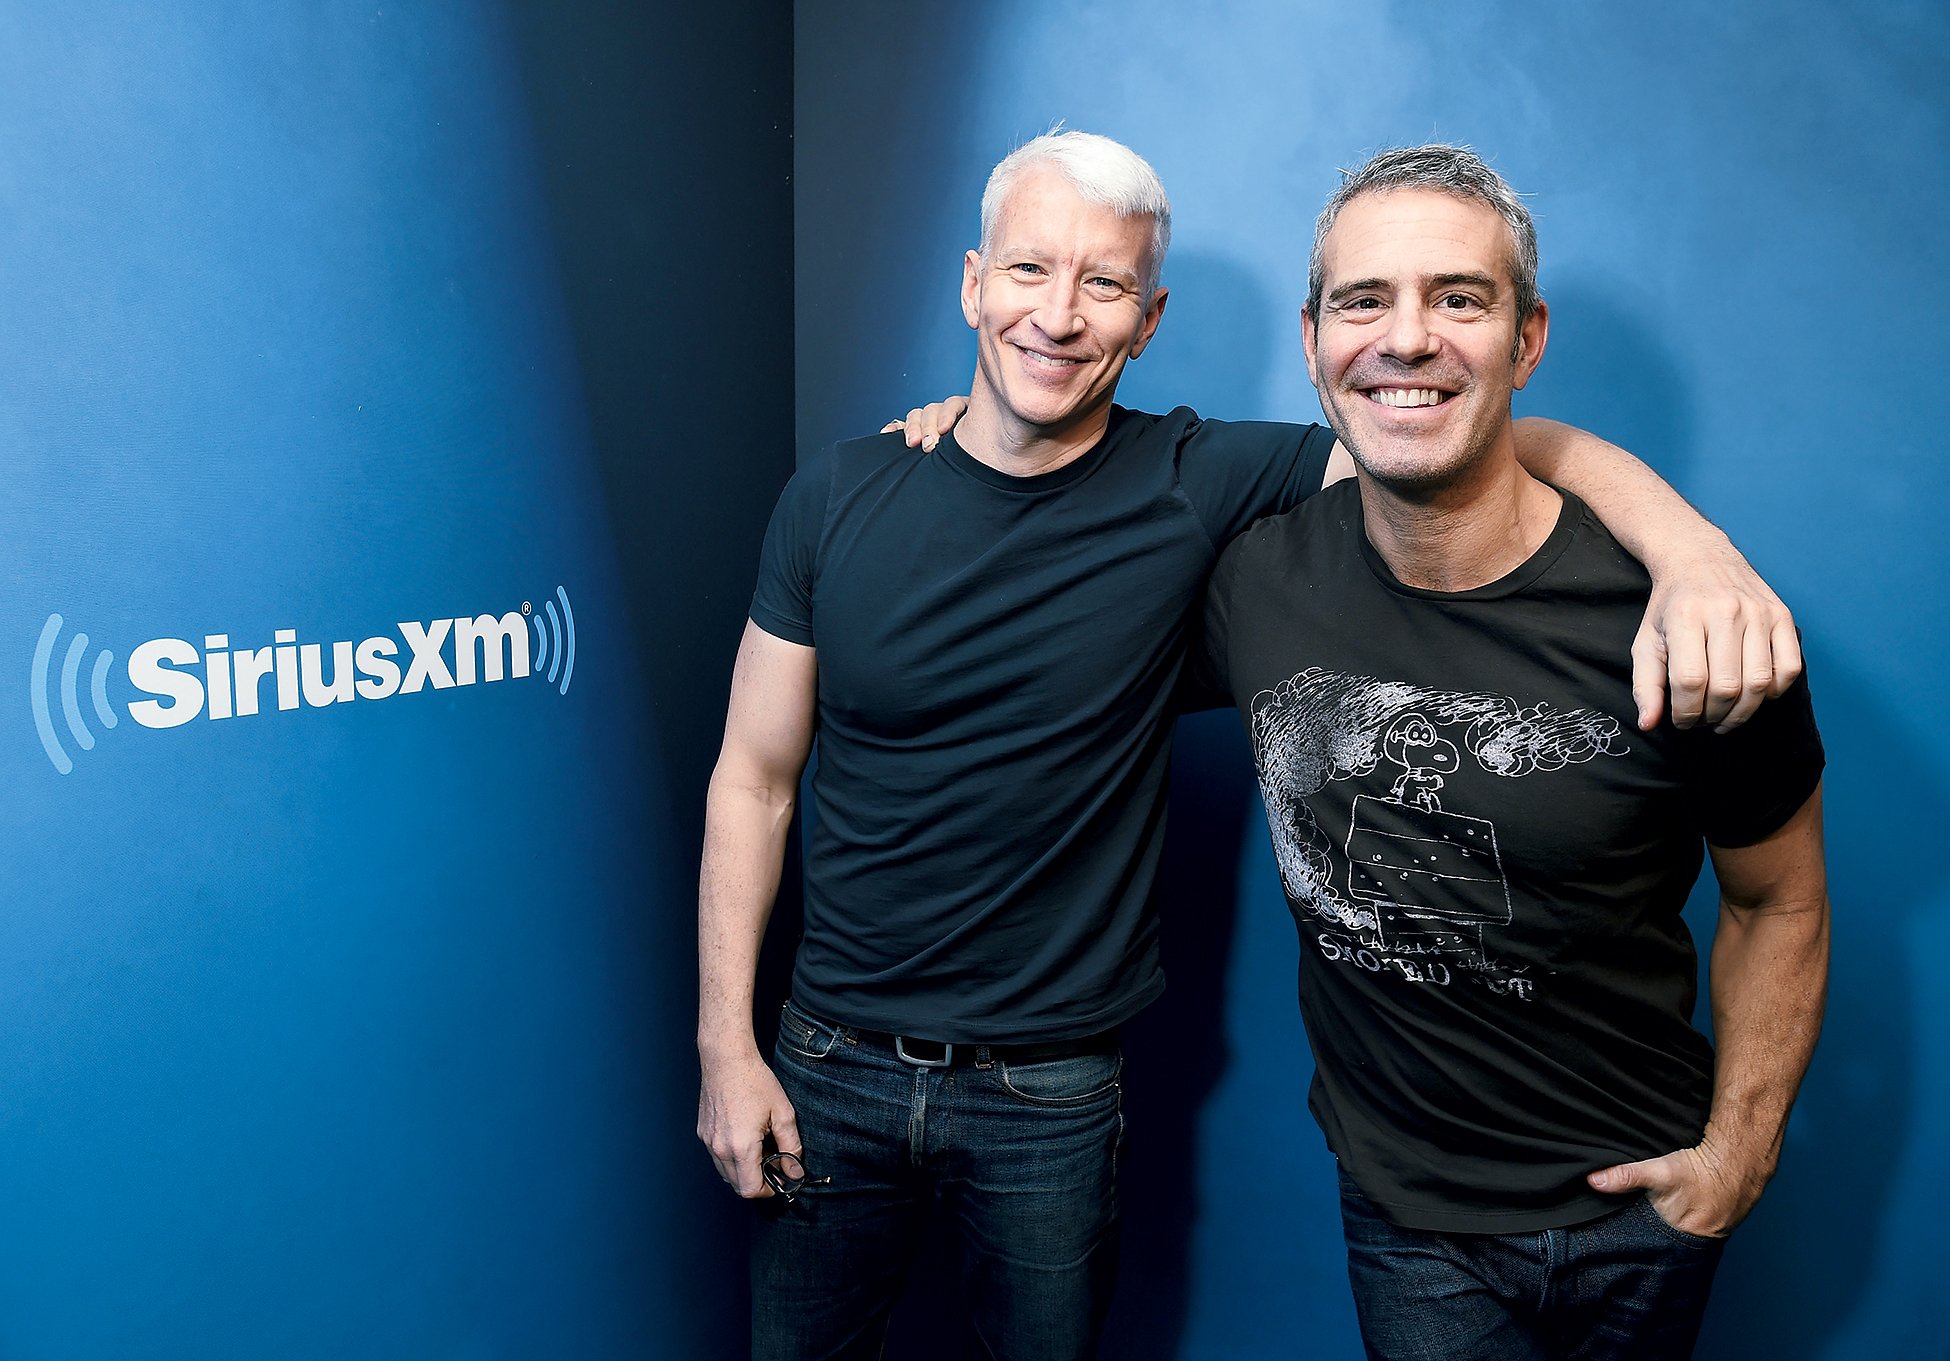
<point>181,682</point>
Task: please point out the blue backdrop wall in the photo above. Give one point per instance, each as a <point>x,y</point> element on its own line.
<point>350,1027</point>
<point>1738,219</point>
<point>360,1024</point>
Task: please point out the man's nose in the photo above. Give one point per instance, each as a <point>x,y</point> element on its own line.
<point>1060,314</point>
<point>1408,336</point>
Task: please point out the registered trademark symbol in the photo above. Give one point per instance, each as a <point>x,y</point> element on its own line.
<point>527,608</point>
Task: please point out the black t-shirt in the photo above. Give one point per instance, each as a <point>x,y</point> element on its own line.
<point>1486,859</point>
<point>997,657</point>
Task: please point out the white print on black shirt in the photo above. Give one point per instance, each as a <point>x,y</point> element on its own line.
<point>1413,888</point>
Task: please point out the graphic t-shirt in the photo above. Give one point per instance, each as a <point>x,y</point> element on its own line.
<point>997,660</point>
<point>1486,859</point>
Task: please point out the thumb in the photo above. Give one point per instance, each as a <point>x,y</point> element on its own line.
<point>785,1130</point>
<point>1650,1175</point>
<point>1649,676</point>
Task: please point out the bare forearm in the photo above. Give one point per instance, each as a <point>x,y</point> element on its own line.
<point>745,830</point>
<point>1652,521</point>
<point>1769,981</point>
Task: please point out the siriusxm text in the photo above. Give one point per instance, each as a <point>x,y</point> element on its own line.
<point>220,681</point>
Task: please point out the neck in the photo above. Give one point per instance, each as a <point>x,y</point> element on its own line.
<point>988,434</point>
<point>1463,534</point>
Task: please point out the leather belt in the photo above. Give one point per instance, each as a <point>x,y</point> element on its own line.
<point>941,1054</point>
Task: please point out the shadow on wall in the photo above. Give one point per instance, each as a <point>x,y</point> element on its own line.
<point>666,155</point>
<point>894,172</point>
<point>1177,1051</point>
<point>1799,1267</point>
<point>1213,349</point>
<point>1212,354</point>
<point>1803,1261</point>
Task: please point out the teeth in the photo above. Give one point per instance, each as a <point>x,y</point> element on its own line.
<point>1051,360</point>
<point>1406,396</point>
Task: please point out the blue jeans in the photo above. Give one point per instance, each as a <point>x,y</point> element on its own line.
<point>1624,1287</point>
<point>1022,1157</point>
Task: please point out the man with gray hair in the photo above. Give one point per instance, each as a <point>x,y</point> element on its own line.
<point>1486,863</point>
<point>987,638</point>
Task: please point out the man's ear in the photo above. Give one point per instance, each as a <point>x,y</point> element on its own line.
<point>1530,343</point>
<point>1152,316</point>
<point>1308,338</point>
<point>971,287</point>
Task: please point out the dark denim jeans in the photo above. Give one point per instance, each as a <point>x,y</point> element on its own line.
<point>1624,1287</point>
<point>1022,1157</point>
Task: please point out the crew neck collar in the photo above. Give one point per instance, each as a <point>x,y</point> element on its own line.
<point>1517,579</point>
<point>1077,468</point>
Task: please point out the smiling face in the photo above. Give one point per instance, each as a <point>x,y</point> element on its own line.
<point>1058,311</point>
<point>1417,346</point>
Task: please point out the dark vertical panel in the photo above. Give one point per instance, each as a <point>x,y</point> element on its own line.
<point>664,137</point>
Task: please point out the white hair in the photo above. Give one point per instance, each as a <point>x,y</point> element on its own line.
<point>1106,173</point>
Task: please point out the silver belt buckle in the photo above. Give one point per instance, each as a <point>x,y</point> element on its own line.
<point>900,1052</point>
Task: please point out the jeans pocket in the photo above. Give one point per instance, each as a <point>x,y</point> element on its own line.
<point>1673,1231</point>
<point>1062,1082</point>
<point>802,1035</point>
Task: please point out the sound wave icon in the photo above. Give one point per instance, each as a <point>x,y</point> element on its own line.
<point>555,641</point>
<point>42,693</point>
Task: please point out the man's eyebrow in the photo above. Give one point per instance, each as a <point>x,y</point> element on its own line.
<point>1483,281</point>
<point>1356,286</point>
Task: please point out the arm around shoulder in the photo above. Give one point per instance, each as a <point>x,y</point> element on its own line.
<point>1713,631</point>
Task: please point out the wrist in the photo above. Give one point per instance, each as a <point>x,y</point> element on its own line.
<point>1700,545</point>
<point>726,1044</point>
<point>1740,1154</point>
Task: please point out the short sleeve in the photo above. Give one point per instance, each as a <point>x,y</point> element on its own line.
<point>1743,786</point>
<point>782,603</point>
<point>1236,472</point>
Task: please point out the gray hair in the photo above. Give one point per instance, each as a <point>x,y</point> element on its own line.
<point>1106,173</point>
<point>1453,170</point>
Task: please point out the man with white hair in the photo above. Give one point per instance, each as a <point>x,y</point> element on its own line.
<point>1540,1156</point>
<point>986,638</point>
